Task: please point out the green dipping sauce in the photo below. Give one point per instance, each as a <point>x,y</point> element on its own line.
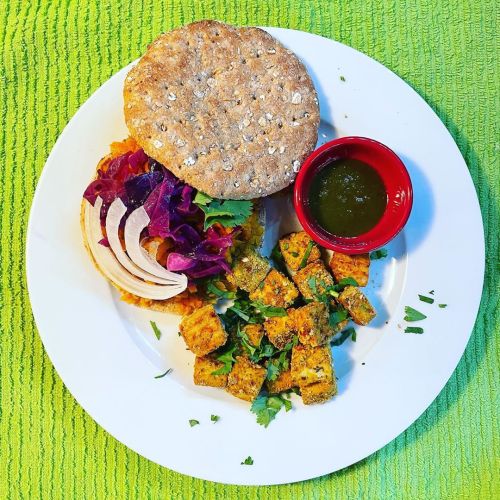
<point>347,197</point>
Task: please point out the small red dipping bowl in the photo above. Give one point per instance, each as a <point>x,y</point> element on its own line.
<point>397,186</point>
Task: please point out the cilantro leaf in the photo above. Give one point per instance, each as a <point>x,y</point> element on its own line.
<point>423,298</point>
<point>227,358</point>
<point>338,316</point>
<point>413,314</point>
<point>228,213</point>
<point>165,373</point>
<point>155,329</point>
<point>344,336</point>
<point>272,371</point>
<point>193,422</point>
<point>309,248</point>
<point>442,306</point>
<point>214,418</point>
<point>269,311</point>
<point>239,312</point>
<point>202,199</point>
<point>379,254</point>
<point>247,461</point>
<point>278,260</point>
<point>222,294</point>
<point>266,407</point>
<point>414,329</point>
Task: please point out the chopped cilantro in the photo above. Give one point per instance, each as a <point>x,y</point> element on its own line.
<point>431,292</point>
<point>269,311</point>
<point>214,418</point>
<point>202,198</point>
<point>239,312</point>
<point>309,248</point>
<point>193,422</point>
<point>442,306</point>
<point>163,374</point>
<point>278,260</point>
<point>423,298</point>
<point>342,78</point>
<point>272,371</point>
<point>226,357</point>
<point>266,407</point>
<point>247,461</point>
<point>414,329</point>
<point>222,294</point>
<point>413,314</point>
<point>311,282</point>
<point>228,213</point>
<point>155,329</point>
<point>344,336</point>
<point>294,254</point>
<point>338,316</point>
<point>379,254</point>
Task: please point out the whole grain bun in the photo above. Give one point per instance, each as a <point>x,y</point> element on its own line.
<point>228,110</point>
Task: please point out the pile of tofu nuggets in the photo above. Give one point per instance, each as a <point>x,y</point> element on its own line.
<point>306,324</point>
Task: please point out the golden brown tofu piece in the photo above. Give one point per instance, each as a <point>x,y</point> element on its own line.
<point>351,266</point>
<point>246,379</point>
<point>203,331</point>
<point>282,383</point>
<point>358,306</point>
<point>311,365</point>
<point>280,329</point>
<point>294,246</point>
<point>203,372</point>
<point>249,270</point>
<point>319,393</point>
<point>313,279</point>
<point>276,290</point>
<point>312,324</point>
<point>254,333</point>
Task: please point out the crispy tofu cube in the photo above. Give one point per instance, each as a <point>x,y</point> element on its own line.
<point>254,333</point>
<point>203,372</point>
<point>319,393</point>
<point>313,279</point>
<point>311,365</point>
<point>246,379</point>
<point>360,309</point>
<point>351,266</point>
<point>293,248</point>
<point>282,383</point>
<point>312,324</point>
<point>280,329</point>
<point>203,331</point>
<point>249,270</point>
<point>276,290</point>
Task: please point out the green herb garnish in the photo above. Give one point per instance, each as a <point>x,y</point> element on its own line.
<point>239,312</point>
<point>442,306</point>
<point>338,316</point>
<point>278,260</point>
<point>294,254</point>
<point>413,314</point>
<point>423,298</point>
<point>214,418</point>
<point>163,374</point>
<point>155,329</point>
<point>228,213</point>
<point>266,407</point>
<point>344,336</point>
<point>342,78</point>
<point>226,357</point>
<point>222,294</point>
<point>309,248</point>
<point>202,199</point>
<point>193,422</point>
<point>378,254</point>
<point>270,311</point>
<point>247,461</point>
<point>414,329</point>
<point>431,292</point>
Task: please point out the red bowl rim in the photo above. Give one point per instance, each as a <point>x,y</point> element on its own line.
<point>381,233</point>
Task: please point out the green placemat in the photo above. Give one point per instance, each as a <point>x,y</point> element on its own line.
<point>54,55</point>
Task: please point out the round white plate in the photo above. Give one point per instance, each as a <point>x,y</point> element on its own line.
<point>107,355</point>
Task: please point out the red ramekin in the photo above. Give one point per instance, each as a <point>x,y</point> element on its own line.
<point>397,185</point>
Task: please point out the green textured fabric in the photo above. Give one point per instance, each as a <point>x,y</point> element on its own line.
<point>55,54</point>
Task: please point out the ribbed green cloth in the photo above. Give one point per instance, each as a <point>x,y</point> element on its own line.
<point>55,54</point>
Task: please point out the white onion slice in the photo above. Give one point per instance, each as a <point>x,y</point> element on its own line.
<point>134,225</point>
<point>116,211</point>
<point>112,269</point>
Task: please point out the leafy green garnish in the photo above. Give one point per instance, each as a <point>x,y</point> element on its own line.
<point>247,461</point>
<point>431,292</point>
<point>228,213</point>
<point>202,199</point>
<point>338,316</point>
<point>222,294</point>
<point>303,262</point>
<point>442,306</point>
<point>163,374</point>
<point>342,78</point>
<point>272,371</point>
<point>378,254</point>
<point>193,422</point>
<point>413,314</point>
<point>270,311</point>
<point>281,363</point>
<point>266,407</point>
<point>294,254</point>
<point>214,418</point>
<point>423,298</point>
<point>155,329</point>
<point>239,312</point>
<point>350,332</point>
<point>226,357</point>
<point>414,329</point>
<point>311,282</point>
<point>278,260</point>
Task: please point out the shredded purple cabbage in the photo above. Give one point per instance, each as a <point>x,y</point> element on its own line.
<point>169,203</point>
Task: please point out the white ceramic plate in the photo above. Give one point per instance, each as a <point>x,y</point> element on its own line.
<point>107,355</point>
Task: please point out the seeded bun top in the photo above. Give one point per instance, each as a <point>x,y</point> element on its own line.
<point>228,110</point>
